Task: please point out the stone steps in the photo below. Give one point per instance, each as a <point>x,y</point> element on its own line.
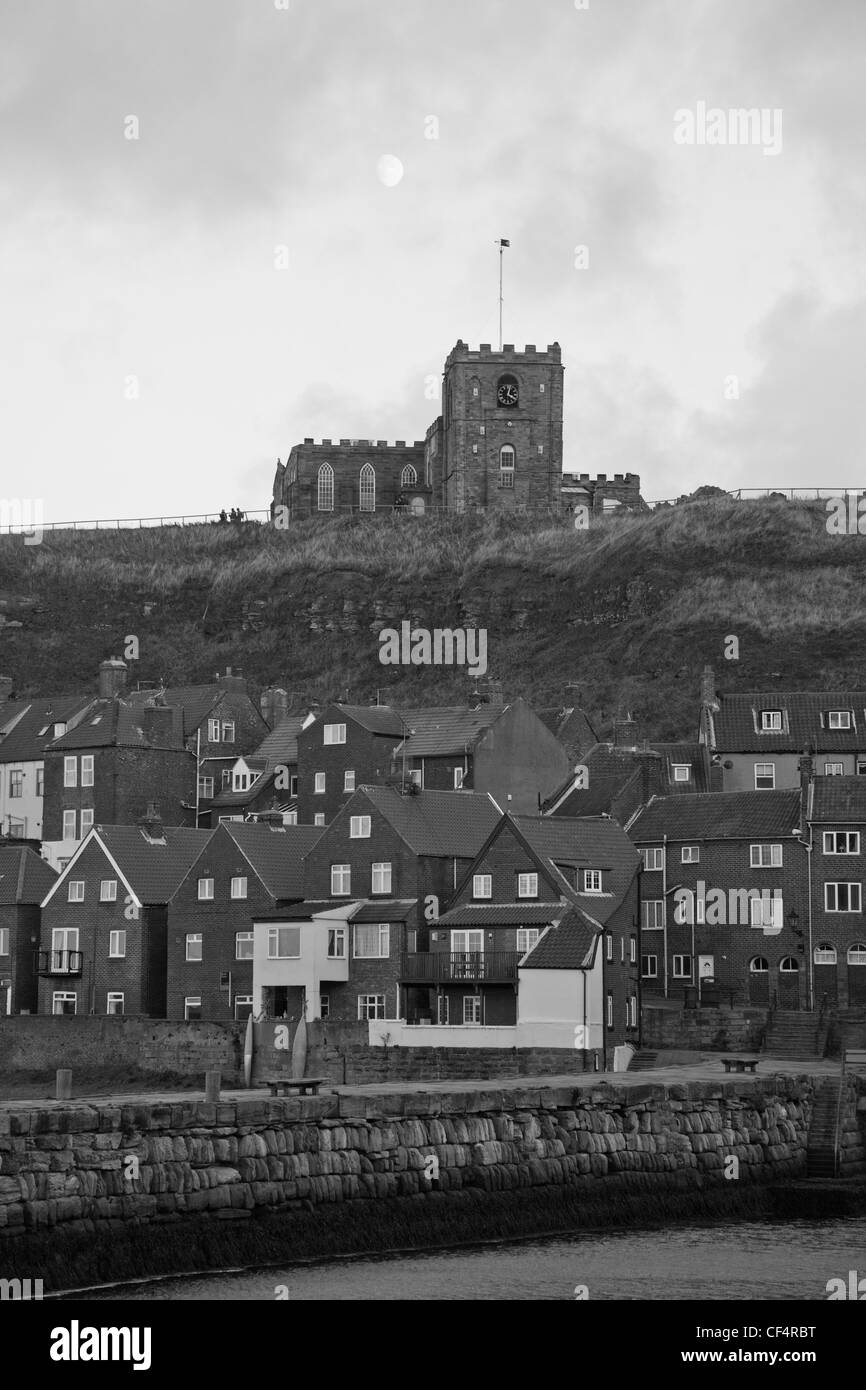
<point>643,1061</point>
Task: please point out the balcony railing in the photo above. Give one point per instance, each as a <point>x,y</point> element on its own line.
<point>443,967</point>
<point>59,962</point>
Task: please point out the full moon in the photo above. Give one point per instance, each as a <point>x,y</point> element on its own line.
<point>390,170</point>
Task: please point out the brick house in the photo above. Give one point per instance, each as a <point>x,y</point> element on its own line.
<point>741,936</point>
<point>259,779</point>
<point>25,879</point>
<point>835,816</point>
<point>27,728</point>
<point>346,747</point>
<point>373,881</point>
<point>242,871</point>
<point>542,894</point>
<point>104,929</point>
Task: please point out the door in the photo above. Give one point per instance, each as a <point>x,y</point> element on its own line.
<point>826,974</point>
<point>759,981</point>
<point>857,974</point>
<point>789,983</point>
<point>64,940</point>
<point>467,955</point>
<point>706,968</point>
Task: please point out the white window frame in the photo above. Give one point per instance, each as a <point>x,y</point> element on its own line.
<point>319,784</point>
<point>349,781</point>
<point>653,920</point>
<point>4,941</point>
<point>831,891</point>
<point>608,947</point>
<point>337,942</point>
<point>333,733</point>
<point>191,1002</point>
<point>205,788</point>
<point>87,761</point>
<point>609,1010</point>
<point>382,872</point>
<point>228,731</point>
<point>360,827</point>
<point>319,818</point>
<point>16,783</point>
<point>324,1006</point>
<point>653,859</point>
<point>370,1006</point>
<point>213,731</point>
<point>108,890</point>
<point>771,721</point>
<point>238,888</point>
<point>766,913</point>
<point>341,874</point>
<point>116,945</point>
<point>527,885</point>
<point>856,953</point>
<point>851,840</point>
<point>839,719</point>
<point>87,814</point>
<point>681,973</point>
<point>691,854</point>
<point>758,856</point>
<point>70,771</point>
<point>276,939</point>
<point>472,1013</point>
<point>825,953</point>
<point>63,995</point>
<point>482,879</point>
<point>193,937</point>
<point>527,937</point>
<point>114,994</point>
<point>765,776</point>
<point>382,944</point>
<point>206,889</point>
<point>76,890</point>
<point>834,769</point>
<point>682,772</point>
<point>244,939</point>
<point>459,774</point>
<point>649,967</point>
<point>592,881</point>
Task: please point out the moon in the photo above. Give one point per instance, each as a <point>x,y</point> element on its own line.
<point>389,170</point>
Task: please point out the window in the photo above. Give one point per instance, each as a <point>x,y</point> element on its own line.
<point>225,779</point>
<point>653,859</point>
<point>592,880</point>
<point>482,885</point>
<point>341,880</point>
<point>87,770</point>
<point>416,777</point>
<point>839,719</point>
<point>63,1002</point>
<point>108,890</point>
<point>336,943</point>
<point>86,821</point>
<point>825,953</point>
<point>632,949</point>
<point>766,912</point>
<point>76,890</point>
<point>239,886</point>
<point>319,785</point>
<point>284,943</point>
<point>691,854</point>
<point>213,731</point>
<point>506,466</point>
<point>319,818</point>
<point>192,1006</point>
<point>243,1007</point>
<point>842,897</point>
<point>632,1011</point>
<point>608,946</point>
<point>458,778</point>
<point>205,788</point>
<point>326,488</point>
<point>359,827</point>
<point>765,856</point>
<point>841,841</point>
<point>526,938</point>
<point>833,769</point>
<point>117,945</point>
<point>861,767</point>
<point>194,945</point>
<point>759,965</point>
<point>610,1011</point>
<point>789,966</point>
<point>682,967</point>
<point>370,1006</point>
<point>372,941</point>
<point>682,772</point>
<point>69,825</point>
<point>229,731</point>
<point>771,720</point>
<point>244,945</point>
<point>16,783</point>
<point>40,780</point>
<point>381,878</point>
<point>115,1004</point>
<point>527,885</point>
<point>443,1012</point>
<point>4,941</point>
<point>472,1008</point>
<point>857,953</point>
<point>653,914</point>
<point>241,781</point>
<point>649,967</point>
<point>367,488</point>
<point>205,890</point>
<point>622,950</point>
<point>348,781</point>
<point>70,772</point>
<point>409,478</point>
<point>765,777</point>
<point>334,733</point>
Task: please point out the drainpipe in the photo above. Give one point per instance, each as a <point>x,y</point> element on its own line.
<point>665,909</point>
<point>197,770</point>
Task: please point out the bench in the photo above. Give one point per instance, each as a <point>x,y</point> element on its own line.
<point>304,1085</point>
<point>740,1063</point>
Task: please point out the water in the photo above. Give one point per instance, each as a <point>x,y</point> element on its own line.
<point>756,1261</point>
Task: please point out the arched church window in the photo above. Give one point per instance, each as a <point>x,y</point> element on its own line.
<point>326,488</point>
<point>368,488</point>
<point>506,466</point>
<point>409,477</point>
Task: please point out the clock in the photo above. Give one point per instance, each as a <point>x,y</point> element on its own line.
<point>507,393</point>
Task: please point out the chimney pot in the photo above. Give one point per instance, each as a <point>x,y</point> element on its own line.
<point>112,678</point>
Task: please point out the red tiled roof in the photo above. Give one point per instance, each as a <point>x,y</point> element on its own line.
<point>738,719</point>
<point>276,853</point>
<point>438,732</point>
<point>25,742</point>
<point>154,871</point>
<point>452,824</point>
<point>570,945</point>
<point>838,799</point>
<point>528,914</point>
<point>114,723</point>
<point>25,877</point>
<point>718,816</point>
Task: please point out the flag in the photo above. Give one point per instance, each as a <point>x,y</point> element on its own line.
<point>503,242</point>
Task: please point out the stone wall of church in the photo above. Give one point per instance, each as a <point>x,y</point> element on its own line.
<point>298,486</point>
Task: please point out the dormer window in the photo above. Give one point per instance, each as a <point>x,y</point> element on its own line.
<point>592,880</point>
<point>771,721</point>
<point>839,719</point>
<point>682,772</point>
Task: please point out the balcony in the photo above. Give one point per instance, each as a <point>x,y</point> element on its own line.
<point>58,962</point>
<point>452,967</point>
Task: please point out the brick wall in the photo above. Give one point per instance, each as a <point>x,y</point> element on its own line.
<point>699,1030</point>
<point>367,755</point>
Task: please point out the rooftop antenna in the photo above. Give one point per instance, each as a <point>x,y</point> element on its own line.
<point>502,243</point>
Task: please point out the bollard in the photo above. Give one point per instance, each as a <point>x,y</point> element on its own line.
<point>212,1081</point>
<point>64,1084</point>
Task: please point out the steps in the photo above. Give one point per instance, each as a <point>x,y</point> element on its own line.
<point>820,1161</point>
<point>792,1033</point>
<point>643,1061</point>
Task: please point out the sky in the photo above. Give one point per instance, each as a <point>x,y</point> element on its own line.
<point>179,308</point>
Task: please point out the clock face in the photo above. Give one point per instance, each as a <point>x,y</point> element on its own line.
<point>507,393</point>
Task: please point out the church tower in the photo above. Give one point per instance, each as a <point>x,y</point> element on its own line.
<point>502,428</point>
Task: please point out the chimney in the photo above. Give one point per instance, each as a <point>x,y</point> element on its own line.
<point>112,678</point>
<point>626,732</point>
<point>708,688</point>
<point>806,766</point>
<point>157,723</point>
<point>494,692</point>
<point>274,704</point>
<point>233,680</point>
<point>151,822</point>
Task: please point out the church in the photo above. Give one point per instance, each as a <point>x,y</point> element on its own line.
<point>496,446</point>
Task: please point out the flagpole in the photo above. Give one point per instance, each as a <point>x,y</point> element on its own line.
<point>502,243</point>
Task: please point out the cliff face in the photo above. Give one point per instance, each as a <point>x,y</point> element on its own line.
<point>622,616</point>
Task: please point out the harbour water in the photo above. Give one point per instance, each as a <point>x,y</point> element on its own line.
<point>755,1261</point>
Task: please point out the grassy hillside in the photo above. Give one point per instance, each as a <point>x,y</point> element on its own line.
<point>629,611</point>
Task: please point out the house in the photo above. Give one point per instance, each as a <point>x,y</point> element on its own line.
<point>757,738</point>
<point>835,815</point>
<point>724,898</point>
<point>570,727</point>
<point>114,763</point>
<point>25,879</point>
<point>347,746</point>
<point>104,929</point>
<point>27,728</point>
<point>374,881</point>
<point>542,930</point>
<point>241,872</point>
<point>255,781</point>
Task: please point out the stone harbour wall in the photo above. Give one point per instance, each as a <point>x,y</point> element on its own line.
<point>103,1166</point>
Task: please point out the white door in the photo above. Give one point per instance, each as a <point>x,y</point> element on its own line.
<point>706,967</point>
<point>467,954</point>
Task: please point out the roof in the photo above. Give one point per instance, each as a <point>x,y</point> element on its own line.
<point>451,824</point>
<point>281,744</point>
<point>838,799</point>
<point>24,876</point>
<point>571,727</point>
<point>276,853</point>
<point>633,774</point>
<point>196,701</point>
<point>569,945</point>
<point>394,910</point>
<point>115,723</point>
<point>528,914</point>
<point>440,731</point>
<point>376,719</point>
<point>718,816</point>
<point>736,721</point>
<point>25,742</point>
<point>153,871</point>
<point>584,843</point>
